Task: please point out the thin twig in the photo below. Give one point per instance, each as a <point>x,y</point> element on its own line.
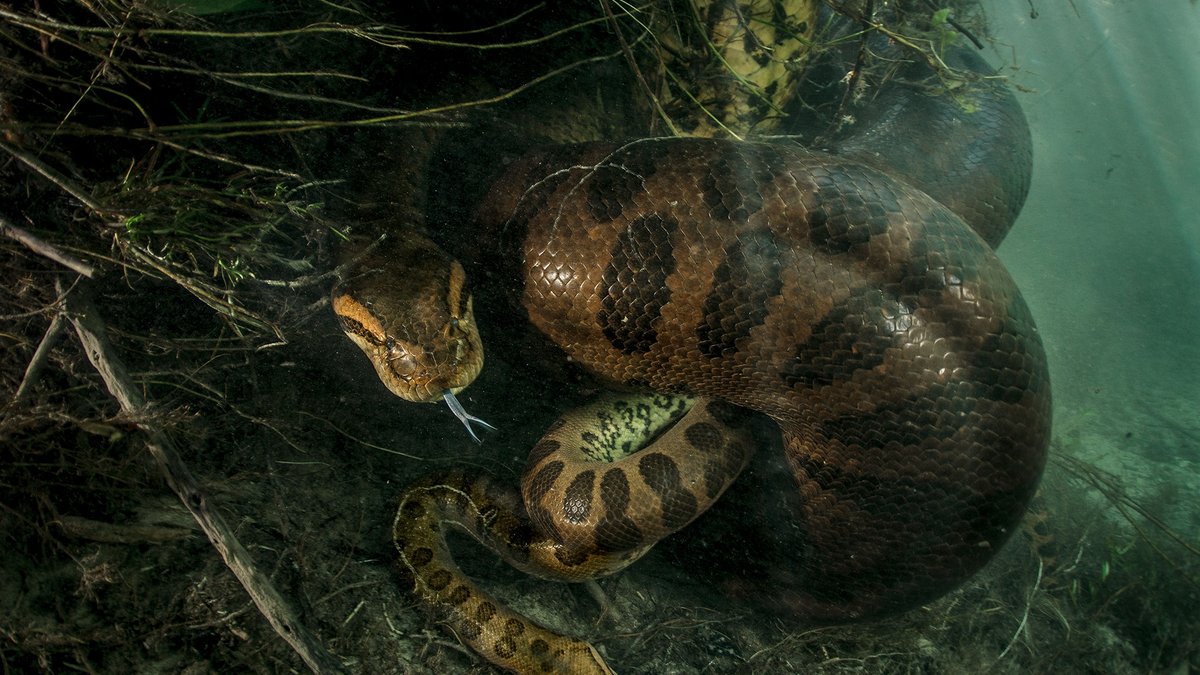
<point>855,75</point>
<point>113,533</point>
<point>633,65</point>
<point>45,249</point>
<point>336,273</point>
<point>38,361</point>
<point>958,27</point>
<point>379,34</point>
<point>360,441</point>
<point>206,293</point>
<point>214,130</point>
<point>53,176</point>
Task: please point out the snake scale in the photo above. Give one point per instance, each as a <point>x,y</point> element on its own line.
<point>850,295</point>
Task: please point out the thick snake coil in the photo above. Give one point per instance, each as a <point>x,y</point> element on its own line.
<point>867,318</point>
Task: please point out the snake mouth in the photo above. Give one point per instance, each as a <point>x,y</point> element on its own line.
<point>427,384</point>
<point>417,373</point>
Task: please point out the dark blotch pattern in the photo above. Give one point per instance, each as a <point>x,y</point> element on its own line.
<point>506,647</point>
<point>742,286</point>
<point>543,481</point>
<point>930,418</point>
<point>1009,364</point>
<point>609,191</point>
<point>635,283</point>
<point>461,501</point>
<point>854,335</point>
<point>420,557</point>
<point>571,557</point>
<point>413,509</point>
<point>726,413</point>
<point>577,501</point>
<point>470,629</point>
<point>543,449</point>
<point>616,531</point>
<point>541,484</point>
<point>730,188</point>
<point>716,475</point>
<point>614,492</point>
<point>752,46</point>
<point>520,537</point>
<point>485,612</point>
<point>704,437</point>
<point>661,475</point>
<point>438,580</point>
<point>906,483</point>
<point>935,267</point>
<point>459,595</point>
<point>613,185</point>
<point>933,528</point>
<point>847,210</point>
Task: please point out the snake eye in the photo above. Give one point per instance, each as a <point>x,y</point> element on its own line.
<point>404,367</point>
<point>400,360</point>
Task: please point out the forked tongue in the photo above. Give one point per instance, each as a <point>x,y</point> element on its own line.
<point>463,416</point>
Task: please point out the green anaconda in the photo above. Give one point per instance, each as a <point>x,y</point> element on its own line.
<point>850,294</point>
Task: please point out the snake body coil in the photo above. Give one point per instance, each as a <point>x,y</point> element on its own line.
<point>870,320</point>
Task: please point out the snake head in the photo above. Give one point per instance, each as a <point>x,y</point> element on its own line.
<point>410,311</point>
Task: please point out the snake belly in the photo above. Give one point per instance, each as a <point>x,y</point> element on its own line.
<point>871,322</point>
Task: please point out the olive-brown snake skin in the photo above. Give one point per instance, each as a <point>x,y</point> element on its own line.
<point>852,296</point>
